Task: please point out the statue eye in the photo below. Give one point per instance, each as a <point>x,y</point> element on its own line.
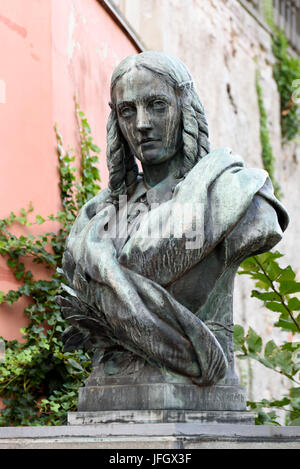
<point>127,111</point>
<point>158,104</point>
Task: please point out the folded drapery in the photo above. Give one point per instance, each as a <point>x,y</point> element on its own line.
<point>127,283</point>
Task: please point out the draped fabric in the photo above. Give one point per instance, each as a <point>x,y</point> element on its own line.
<point>127,278</point>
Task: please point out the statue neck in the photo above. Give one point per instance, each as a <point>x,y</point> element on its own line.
<point>154,174</point>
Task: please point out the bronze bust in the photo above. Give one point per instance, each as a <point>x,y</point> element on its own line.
<point>150,261</point>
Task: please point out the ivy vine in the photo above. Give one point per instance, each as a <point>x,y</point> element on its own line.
<point>39,381</point>
<point>266,147</point>
<point>286,72</point>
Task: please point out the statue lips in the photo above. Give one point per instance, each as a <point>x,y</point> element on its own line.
<point>149,142</point>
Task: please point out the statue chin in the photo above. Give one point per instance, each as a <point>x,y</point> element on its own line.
<point>156,155</point>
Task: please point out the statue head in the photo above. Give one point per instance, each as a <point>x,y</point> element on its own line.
<point>155,113</point>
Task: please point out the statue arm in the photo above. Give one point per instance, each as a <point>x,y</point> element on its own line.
<point>258,231</point>
<point>74,240</point>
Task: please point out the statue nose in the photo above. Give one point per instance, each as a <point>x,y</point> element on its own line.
<point>143,121</point>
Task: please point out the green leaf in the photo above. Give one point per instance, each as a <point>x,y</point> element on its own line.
<point>95,148</point>
<point>288,287</point>
<point>263,281</point>
<point>270,347</point>
<point>254,341</point>
<point>273,270</point>
<point>249,265</point>
<point>291,346</point>
<point>85,125</point>
<point>39,219</point>
<point>294,304</point>
<point>287,325</point>
<point>21,220</point>
<point>267,362</point>
<point>238,332</point>
<point>280,403</point>
<point>2,296</point>
<point>284,361</point>
<point>287,274</point>
<point>276,307</point>
<point>268,256</point>
<point>75,364</point>
<point>239,339</point>
<point>268,296</point>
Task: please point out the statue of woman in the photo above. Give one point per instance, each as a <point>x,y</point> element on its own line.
<point>151,260</point>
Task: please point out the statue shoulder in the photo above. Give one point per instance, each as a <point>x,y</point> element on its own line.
<point>89,210</point>
<point>260,229</point>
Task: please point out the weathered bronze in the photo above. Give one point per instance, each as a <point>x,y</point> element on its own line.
<point>151,260</point>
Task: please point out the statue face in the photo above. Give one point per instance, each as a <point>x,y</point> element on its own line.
<point>149,115</point>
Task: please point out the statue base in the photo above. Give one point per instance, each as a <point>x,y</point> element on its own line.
<point>161,396</point>
<point>152,394</point>
<point>160,416</point>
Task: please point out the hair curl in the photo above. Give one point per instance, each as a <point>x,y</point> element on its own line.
<point>123,170</point>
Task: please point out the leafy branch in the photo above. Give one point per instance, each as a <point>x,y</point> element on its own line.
<point>291,289</point>
<point>277,288</point>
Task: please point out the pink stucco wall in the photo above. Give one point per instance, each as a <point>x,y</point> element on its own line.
<point>50,50</point>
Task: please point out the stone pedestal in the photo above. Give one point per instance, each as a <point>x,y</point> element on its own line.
<point>160,396</point>
<point>152,395</point>
<point>160,416</point>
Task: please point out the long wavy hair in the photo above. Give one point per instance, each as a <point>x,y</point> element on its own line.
<point>123,170</point>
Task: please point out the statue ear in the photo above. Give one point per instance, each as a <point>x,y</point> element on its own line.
<point>112,106</point>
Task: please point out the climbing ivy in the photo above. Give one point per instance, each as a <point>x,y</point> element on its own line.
<point>266,148</point>
<point>39,381</point>
<point>268,12</point>
<point>278,289</point>
<point>286,73</point>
